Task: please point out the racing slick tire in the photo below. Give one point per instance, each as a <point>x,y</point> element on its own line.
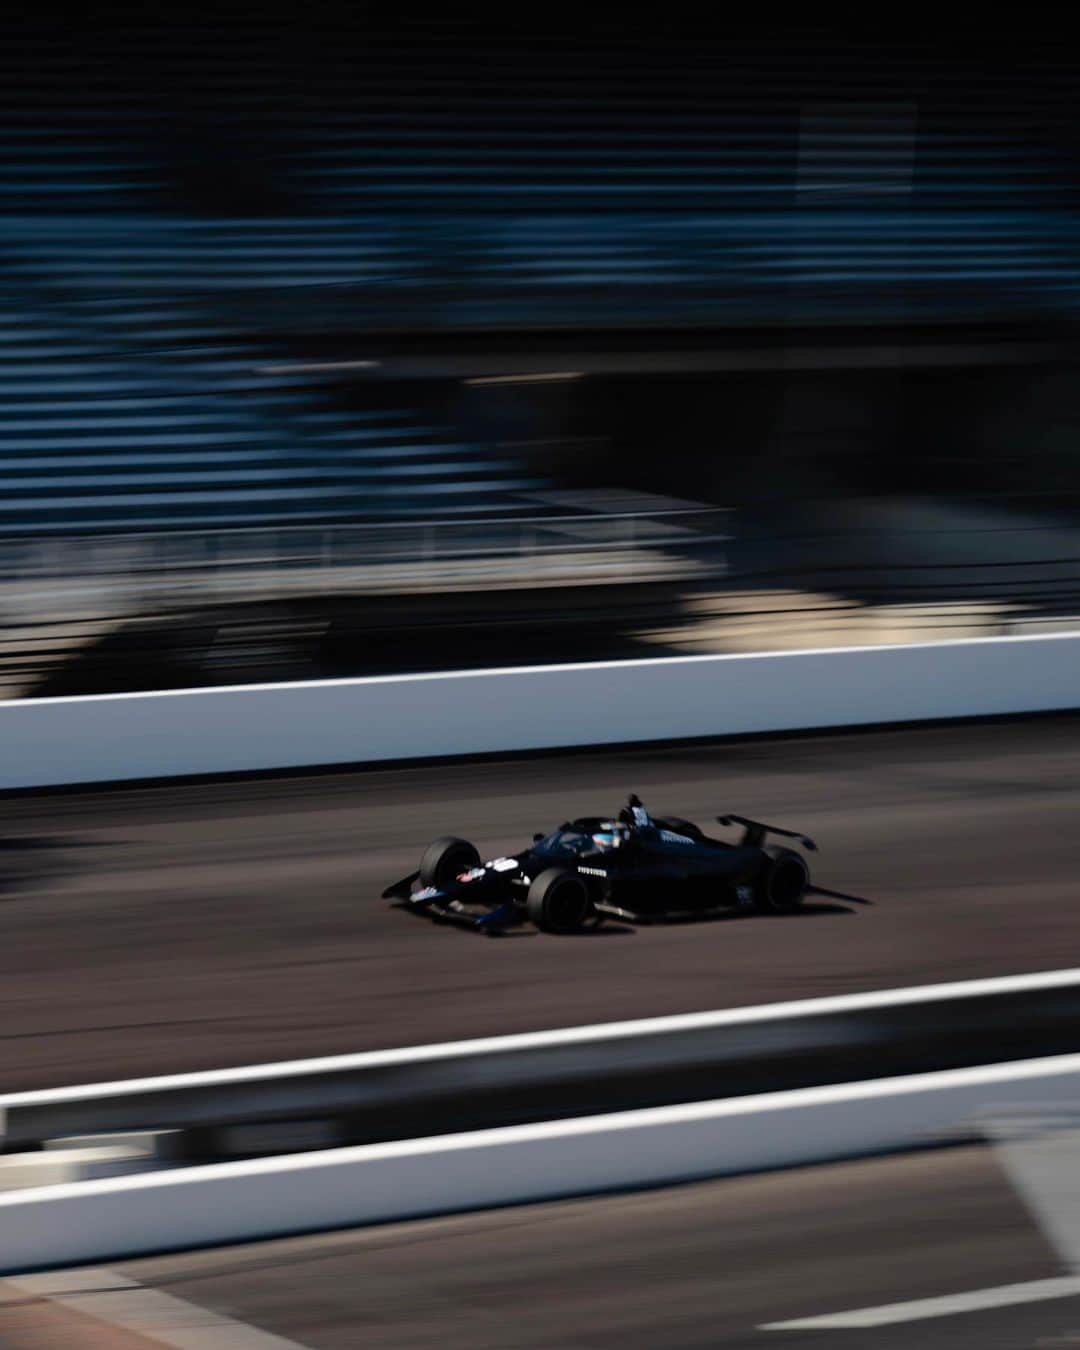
<point>782,882</point>
<point>559,902</point>
<point>446,858</point>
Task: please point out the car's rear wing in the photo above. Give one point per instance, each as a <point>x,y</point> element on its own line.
<point>754,832</point>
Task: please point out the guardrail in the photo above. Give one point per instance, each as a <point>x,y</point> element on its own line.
<point>111,737</point>
<point>231,1202</point>
<point>257,600</point>
<point>61,595</point>
<point>155,567</point>
<point>470,1085</point>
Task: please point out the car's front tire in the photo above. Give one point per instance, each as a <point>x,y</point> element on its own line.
<point>446,858</point>
<point>559,902</point>
<point>782,883</point>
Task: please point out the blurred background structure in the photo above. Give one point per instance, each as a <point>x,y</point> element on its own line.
<point>335,347</point>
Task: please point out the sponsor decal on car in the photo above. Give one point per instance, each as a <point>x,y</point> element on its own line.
<point>503,864</point>
<point>428,893</point>
<point>592,871</point>
<point>473,874</point>
<point>670,838</point>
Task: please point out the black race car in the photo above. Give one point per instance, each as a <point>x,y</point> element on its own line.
<point>633,868</point>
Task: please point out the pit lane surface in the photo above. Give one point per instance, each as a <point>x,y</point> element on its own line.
<point>696,1266</point>
<point>196,926</point>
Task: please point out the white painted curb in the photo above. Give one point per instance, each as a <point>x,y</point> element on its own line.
<point>113,737</point>
<point>229,1202</point>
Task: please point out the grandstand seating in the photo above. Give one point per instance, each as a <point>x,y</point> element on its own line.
<point>98,438</point>
<point>150,230</point>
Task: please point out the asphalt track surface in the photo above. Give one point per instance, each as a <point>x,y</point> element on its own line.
<point>195,925</point>
<point>695,1266</point>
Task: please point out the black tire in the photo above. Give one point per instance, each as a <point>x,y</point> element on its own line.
<point>445,859</point>
<point>559,902</point>
<point>677,825</point>
<point>782,883</point>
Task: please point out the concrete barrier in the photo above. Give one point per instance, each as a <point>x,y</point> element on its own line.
<point>229,1202</point>
<point>112,737</point>
<point>572,1071</point>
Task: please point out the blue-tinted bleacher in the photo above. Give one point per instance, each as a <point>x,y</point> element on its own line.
<point>149,228</point>
<point>96,438</point>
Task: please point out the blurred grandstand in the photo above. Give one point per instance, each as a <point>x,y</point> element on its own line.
<point>294,320</point>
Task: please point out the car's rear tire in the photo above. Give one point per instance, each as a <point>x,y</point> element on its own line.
<point>559,902</point>
<point>782,884</point>
<point>446,858</point>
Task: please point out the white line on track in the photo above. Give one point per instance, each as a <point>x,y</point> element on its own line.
<point>921,1309</point>
<point>107,1296</point>
<point>601,1031</point>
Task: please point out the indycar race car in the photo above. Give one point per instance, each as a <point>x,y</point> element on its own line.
<point>634,868</point>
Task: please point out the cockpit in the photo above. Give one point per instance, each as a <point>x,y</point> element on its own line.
<point>613,835</point>
<point>564,843</point>
<point>583,836</point>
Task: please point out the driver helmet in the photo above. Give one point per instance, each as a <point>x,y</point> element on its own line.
<point>611,836</point>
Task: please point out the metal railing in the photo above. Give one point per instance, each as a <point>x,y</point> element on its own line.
<point>62,595</point>
<point>368,556</point>
<point>250,603</point>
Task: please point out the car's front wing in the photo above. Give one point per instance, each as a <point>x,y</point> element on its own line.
<point>453,911</point>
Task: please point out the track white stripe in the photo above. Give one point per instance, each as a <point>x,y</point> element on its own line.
<point>659,1026</point>
<point>107,1296</point>
<point>949,1305</point>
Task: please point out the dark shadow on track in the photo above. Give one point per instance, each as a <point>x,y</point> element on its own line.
<point>43,860</point>
<point>839,895</point>
<point>805,911</point>
<point>812,911</point>
<point>606,929</point>
<point>603,929</point>
<point>32,843</point>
